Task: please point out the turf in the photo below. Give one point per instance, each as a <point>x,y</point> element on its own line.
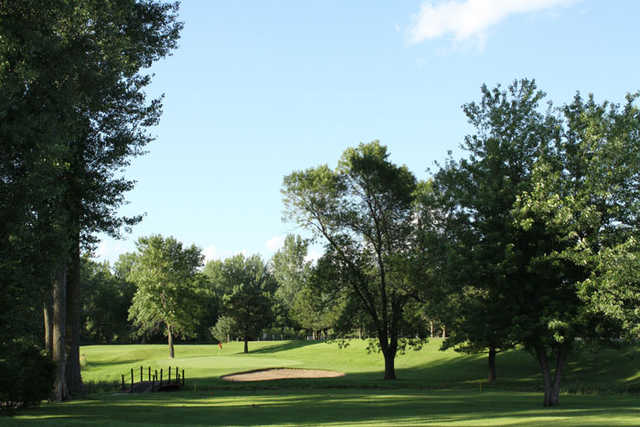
<point>433,387</point>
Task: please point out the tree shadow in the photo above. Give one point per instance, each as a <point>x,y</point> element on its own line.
<point>308,407</point>
<point>282,346</point>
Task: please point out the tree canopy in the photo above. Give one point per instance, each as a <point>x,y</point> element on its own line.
<point>363,212</point>
<point>168,286</point>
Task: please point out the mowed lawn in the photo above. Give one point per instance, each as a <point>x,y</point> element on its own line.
<point>433,387</point>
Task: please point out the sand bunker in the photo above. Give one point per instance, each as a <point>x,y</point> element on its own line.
<point>281,374</point>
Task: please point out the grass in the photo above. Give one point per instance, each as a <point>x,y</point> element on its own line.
<point>433,387</point>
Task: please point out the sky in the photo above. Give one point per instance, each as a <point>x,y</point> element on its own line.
<point>259,89</point>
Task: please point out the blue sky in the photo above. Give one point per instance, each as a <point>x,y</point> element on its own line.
<point>259,89</point>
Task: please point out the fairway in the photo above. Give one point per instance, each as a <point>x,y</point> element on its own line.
<point>433,387</point>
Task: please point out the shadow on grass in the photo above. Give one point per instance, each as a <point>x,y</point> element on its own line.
<point>288,345</point>
<point>343,407</point>
<point>89,363</point>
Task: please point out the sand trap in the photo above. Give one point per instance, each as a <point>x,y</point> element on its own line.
<point>281,374</point>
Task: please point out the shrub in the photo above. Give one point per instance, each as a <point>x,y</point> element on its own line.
<point>27,375</point>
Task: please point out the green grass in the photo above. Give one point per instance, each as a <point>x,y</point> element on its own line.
<point>433,387</point>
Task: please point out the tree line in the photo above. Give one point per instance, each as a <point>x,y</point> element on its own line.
<point>164,291</point>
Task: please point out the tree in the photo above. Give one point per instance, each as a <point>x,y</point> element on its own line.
<point>106,299</point>
<point>168,287</point>
<point>536,196</point>
<point>599,163</point>
<point>363,211</point>
<point>305,303</point>
<point>247,288</point>
<point>73,112</point>
<point>507,295</point>
<point>223,328</point>
<point>582,210</point>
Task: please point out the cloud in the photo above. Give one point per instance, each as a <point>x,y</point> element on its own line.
<point>469,20</point>
<point>275,243</point>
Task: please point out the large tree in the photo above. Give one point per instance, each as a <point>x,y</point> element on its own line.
<point>73,113</point>
<point>363,211</point>
<point>168,288</point>
<point>503,295</point>
<point>539,190</point>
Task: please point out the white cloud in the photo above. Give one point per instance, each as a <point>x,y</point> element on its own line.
<point>470,19</point>
<point>275,243</point>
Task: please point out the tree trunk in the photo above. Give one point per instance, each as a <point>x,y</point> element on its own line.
<point>561,359</point>
<point>48,323</point>
<point>492,365</point>
<point>389,364</point>
<point>552,386</point>
<point>431,327</point>
<point>74,378</point>
<point>246,344</point>
<point>444,331</point>
<point>170,342</point>
<point>546,375</point>
<point>60,389</point>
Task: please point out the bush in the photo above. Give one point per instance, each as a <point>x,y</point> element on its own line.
<point>26,377</point>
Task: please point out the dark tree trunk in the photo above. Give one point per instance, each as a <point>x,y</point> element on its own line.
<point>561,359</point>
<point>246,344</point>
<point>492,365</point>
<point>48,323</point>
<point>170,342</point>
<point>74,378</point>
<point>60,389</point>
<point>552,384</point>
<point>389,364</point>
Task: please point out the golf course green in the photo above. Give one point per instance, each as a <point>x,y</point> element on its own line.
<point>433,387</point>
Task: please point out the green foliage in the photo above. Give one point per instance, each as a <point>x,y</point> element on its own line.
<point>363,212</point>
<point>73,112</point>
<point>223,328</point>
<point>305,303</point>
<point>247,288</point>
<point>586,197</point>
<point>105,304</point>
<point>26,377</point>
<point>168,286</point>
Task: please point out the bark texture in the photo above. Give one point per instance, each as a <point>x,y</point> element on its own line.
<point>74,378</point>
<point>60,389</point>
<point>47,312</point>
